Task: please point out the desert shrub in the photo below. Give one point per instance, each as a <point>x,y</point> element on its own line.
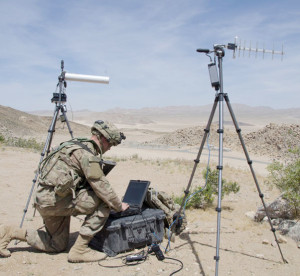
<point>286,177</point>
<point>23,143</point>
<point>2,139</point>
<point>206,197</point>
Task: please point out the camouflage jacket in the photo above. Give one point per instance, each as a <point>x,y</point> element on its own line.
<point>72,167</point>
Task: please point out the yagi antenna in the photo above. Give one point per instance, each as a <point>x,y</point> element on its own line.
<point>239,48</point>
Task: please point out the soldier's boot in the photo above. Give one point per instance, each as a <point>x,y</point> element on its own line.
<point>8,233</point>
<point>81,253</point>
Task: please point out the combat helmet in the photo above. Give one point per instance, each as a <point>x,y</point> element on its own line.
<point>109,131</point>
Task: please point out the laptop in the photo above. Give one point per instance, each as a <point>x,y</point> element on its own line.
<point>134,196</point>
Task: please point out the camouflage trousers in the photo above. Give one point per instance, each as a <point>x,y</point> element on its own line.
<point>57,221</point>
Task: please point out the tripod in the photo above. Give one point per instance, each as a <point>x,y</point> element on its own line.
<point>217,82</point>
<point>59,99</point>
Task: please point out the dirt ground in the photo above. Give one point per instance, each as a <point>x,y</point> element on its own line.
<point>246,247</point>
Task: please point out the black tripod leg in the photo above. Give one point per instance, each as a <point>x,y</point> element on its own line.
<point>45,150</point>
<point>249,161</point>
<point>66,119</point>
<point>196,162</point>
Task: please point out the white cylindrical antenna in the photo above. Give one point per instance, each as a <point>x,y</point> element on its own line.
<point>86,78</point>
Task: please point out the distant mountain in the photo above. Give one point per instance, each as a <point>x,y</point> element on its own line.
<point>15,123</point>
<point>185,115</point>
<point>194,114</point>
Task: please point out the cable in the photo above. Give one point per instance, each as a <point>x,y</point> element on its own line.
<point>129,260</point>
<point>168,258</point>
<point>132,260</point>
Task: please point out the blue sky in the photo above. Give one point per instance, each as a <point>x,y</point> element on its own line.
<point>148,49</point>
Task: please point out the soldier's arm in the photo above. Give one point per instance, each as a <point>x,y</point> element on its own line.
<point>93,173</point>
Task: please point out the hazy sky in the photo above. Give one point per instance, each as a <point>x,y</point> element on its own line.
<point>148,49</point>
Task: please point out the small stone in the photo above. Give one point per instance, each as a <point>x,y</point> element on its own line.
<point>260,256</point>
<point>265,242</point>
<point>281,239</point>
<point>250,215</point>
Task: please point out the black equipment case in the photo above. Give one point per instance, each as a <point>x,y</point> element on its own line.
<point>127,233</point>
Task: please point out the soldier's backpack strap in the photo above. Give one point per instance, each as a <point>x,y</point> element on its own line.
<point>76,141</point>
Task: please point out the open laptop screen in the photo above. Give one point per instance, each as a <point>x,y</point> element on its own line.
<point>136,192</point>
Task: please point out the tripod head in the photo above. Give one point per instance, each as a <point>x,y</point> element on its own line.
<point>219,51</point>
<point>60,97</point>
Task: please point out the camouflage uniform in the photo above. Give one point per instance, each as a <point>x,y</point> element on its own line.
<point>72,183</point>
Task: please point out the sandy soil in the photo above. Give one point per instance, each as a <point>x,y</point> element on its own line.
<point>245,246</point>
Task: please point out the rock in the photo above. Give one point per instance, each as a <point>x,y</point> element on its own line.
<point>273,140</point>
<point>280,208</point>
<point>294,232</point>
<point>250,215</point>
<point>285,226</point>
<point>265,242</point>
<point>277,221</point>
<point>281,239</point>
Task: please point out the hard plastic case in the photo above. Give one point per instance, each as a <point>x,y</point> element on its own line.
<point>131,232</point>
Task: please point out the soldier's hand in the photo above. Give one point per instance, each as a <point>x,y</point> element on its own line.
<point>124,206</point>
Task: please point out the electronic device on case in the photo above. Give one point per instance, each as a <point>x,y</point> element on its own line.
<point>135,196</point>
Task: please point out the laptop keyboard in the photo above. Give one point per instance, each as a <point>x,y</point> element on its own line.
<point>132,210</point>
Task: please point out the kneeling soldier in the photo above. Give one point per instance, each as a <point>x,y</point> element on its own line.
<point>71,183</point>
